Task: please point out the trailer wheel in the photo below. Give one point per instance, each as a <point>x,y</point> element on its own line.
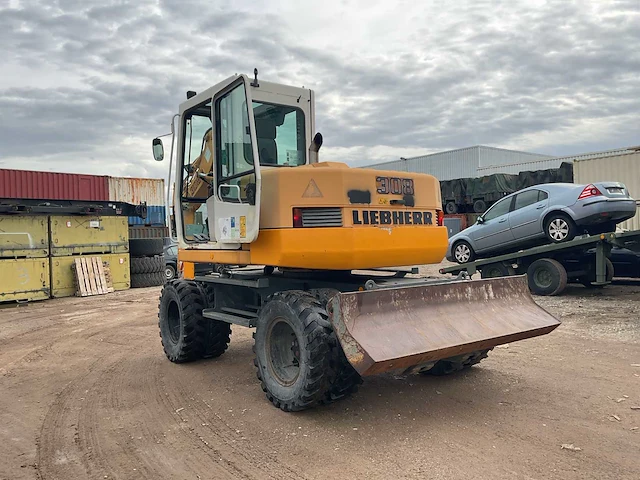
<point>182,326</point>
<point>588,281</point>
<point>293,350</point>
<point>451,365</point>
<point>546,277</point>
<point>463,253</point>
<point>479,206</point>
<point>494,270</point>
<point>558,227</point>
<point>345,378</point>
<point>451,208</point>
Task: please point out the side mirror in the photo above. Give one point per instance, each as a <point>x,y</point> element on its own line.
<point>480,221</point>
<point>158,150</point>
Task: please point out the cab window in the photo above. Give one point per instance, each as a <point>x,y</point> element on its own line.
<point>280,134</point>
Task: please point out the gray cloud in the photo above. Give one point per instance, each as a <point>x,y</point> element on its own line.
<point>86,87</point>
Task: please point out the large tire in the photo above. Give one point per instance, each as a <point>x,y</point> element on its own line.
<point>546,277</point>
<point>345,378</point>
<point>463,253</point>
<point>147,264</point>
<point>451,365</point>
<point>217,334</point>
<point>182,326</point>
<point>559,228</point>
<point>494,270</point>
<point>145,247</point>
<point>451,208</point>
<point>293,350</point>
<point>479,206</point>
<point>143,280</point>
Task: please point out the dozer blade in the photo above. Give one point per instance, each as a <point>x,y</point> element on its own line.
<point>405,328</point>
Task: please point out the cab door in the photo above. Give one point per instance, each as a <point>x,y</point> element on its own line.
<point>234,208</point>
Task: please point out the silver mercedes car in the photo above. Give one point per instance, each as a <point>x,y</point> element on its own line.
<point>550,212</point>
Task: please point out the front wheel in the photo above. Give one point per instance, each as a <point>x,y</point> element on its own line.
<point>292,349</point>
<point>546,277</point>
<point>559,228</point>
<point>463,253</point>
<point>169,272</point>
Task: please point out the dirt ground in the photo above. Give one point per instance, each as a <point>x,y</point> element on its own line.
<point>86,392</point>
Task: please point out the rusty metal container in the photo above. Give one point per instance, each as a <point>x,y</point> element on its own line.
<point>23,236</point>
<point>52,186</point>
<point>76,234</point>
<point>407,329</point>
<point>62,276</point>
<point>24,279</point>
<point>137,190</point>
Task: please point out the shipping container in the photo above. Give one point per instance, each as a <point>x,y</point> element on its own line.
<point>63,277</point>
<point>623,168</point>
<point>52,186</point>
<point>24,279</point>
<point>455,223</point>
<point>24,236</point>
<point>137,190</point>
<point>75,234</point>
<point>156,216</point>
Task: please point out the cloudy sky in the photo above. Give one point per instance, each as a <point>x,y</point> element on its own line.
<point>87,84</point>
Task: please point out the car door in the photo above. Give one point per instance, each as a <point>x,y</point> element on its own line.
<point>493,231</point>
<point>524,219</point>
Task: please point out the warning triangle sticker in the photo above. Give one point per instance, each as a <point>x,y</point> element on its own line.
<point>312,191</point>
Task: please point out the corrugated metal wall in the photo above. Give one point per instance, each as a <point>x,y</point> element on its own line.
<point>136,190</point>
<point>515,169</point>
<point>460,163</point>
<point>623,168</point>
<point>156,216</point>
<point>52,186</point>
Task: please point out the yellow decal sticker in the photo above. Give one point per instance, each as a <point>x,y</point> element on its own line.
<point>383,201</point>
<point>243,226</point>
<point>312,190</point>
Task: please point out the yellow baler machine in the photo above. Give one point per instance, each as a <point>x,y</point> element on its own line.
<point>313,255</point>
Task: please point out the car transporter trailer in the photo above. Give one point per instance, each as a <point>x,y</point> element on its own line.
<point>550,267</point>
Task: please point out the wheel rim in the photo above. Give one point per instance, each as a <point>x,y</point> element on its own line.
<point>168,272</point>
<point>283,353</point>
<point>543,277</point>
<point>559,229</point>
<point>173,320</point>
<point>463,253</point>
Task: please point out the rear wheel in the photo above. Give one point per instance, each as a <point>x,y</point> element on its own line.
<point>169,272</point>
<point>546,277</point>
<point>451,208</point>
<point>463,253</point>
<point>479,206</point>
<point>293,350</point>
<point>494,270</point>
<point>559,228</point>
<point>451,365</point>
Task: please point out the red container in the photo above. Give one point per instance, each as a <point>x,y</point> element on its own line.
<point>52,186</point>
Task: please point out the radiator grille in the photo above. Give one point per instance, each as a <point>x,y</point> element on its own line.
<point>321,217</point>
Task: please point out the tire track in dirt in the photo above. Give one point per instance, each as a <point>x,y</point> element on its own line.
<point>120,419</point>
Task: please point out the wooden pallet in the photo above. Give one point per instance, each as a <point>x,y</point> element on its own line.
<point>92,276</point>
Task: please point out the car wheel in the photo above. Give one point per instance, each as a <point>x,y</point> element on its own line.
<point>559,228</point>
<point>463,253</point>
<point>169,272</point>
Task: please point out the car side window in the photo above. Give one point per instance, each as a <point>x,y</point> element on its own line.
<point>527,198</point>
<point>498,209</point>
<point>542,195</point>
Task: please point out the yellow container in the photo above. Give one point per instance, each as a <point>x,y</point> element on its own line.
<point>24,236</point>
<point>24,279</point>
<point>77,234</point>
<point>62,276</point>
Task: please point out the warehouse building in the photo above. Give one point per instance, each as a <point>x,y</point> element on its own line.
<point>480,161</point>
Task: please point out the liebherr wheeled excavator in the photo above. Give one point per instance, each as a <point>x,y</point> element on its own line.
<point>315,256</point>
